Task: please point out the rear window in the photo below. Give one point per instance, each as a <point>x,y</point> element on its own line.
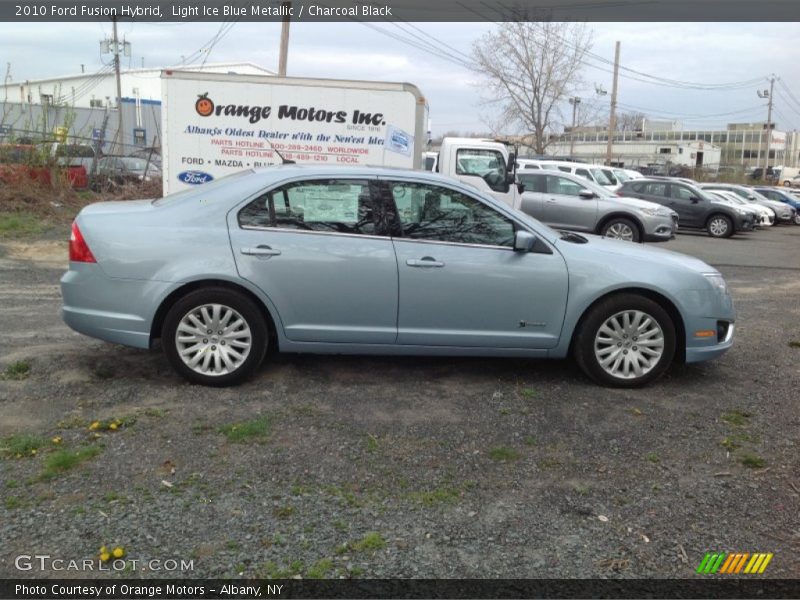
<point>204,188</point>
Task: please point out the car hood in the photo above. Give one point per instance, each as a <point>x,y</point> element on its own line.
<point>635,202</point>
<point>620,251</point>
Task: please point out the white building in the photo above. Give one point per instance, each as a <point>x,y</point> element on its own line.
<point>99,90</point>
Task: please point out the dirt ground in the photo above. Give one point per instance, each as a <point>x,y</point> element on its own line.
<point>401,467</point>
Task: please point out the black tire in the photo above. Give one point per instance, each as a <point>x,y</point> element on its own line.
<point>249,312</point>
<point>797,218</point>
<point>583,347</point>
<point>719,226</point>
<point>624,224</point>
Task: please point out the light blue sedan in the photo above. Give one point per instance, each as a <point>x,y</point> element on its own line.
<point>378,261</point>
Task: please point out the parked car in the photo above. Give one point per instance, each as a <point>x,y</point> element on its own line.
<point>379,261</point>
<point>127,169</point>
<point>568,201</point>
<point>695,209</point>
<point>593,173</point>
<point>787,175</point>
<point>763,216</point>
<point>780,195</point>
<point>783,212</point>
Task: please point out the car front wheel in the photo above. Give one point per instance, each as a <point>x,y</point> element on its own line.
<point>621,229</point>
<point>720,226</point>
<point>215,336</point>
<point>625,341</point>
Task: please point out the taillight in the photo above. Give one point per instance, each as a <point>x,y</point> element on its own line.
<point>620,194</point>
<point>78,249</point>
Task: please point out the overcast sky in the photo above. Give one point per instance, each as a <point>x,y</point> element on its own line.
<point>692,52</point>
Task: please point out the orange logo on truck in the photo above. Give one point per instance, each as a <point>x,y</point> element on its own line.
<point>204,105</point>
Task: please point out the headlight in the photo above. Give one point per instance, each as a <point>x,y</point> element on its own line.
<point>716,280</point>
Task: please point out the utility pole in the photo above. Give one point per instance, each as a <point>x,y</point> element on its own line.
<point>766,94</point>
<point>115,47</point>
<point>574,101</point>
<point>119,85</point>
<point>612,120</point>
<point>284,55</point>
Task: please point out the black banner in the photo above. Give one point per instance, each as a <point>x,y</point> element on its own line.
<point>706,587</point>
<point>398,10</point>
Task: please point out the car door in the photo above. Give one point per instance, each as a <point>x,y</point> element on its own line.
<point>534,193</point>
<point>461,282</point>
<point>689,205</point>
<point>564,207</point>
<point>318,250</point>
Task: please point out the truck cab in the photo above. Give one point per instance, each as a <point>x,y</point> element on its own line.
<point>484,164</point>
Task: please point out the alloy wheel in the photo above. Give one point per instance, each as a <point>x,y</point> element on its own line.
<point>213,339</point>
<point>629,344</point>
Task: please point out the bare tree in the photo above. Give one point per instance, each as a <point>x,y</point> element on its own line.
<point>630,121</point>
<point>529,71</point>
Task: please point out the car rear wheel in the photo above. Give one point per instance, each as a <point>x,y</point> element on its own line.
<point>719,226</point>
<point>215,336</point>
<point>626,341</point>
<point>621,229</point>
<point>787,183</point>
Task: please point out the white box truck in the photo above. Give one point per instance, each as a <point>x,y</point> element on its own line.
<point>215,124</point>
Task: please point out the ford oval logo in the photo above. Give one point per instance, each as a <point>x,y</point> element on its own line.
<point>194,177</point>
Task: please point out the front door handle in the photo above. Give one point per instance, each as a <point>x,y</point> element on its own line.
<point>551,200</point>
<point>425,261</point>
<point>262,250</point>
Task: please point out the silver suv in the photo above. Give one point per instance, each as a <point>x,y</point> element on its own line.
<point>569,201</point>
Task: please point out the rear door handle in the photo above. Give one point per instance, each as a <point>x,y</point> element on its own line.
<point>262,250</point>
<point>425,262</point>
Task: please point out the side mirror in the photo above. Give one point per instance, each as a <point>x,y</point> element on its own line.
<point>512,162</point>
<point>694,199</point>
<point>510,178</point>
<point>520,188</point>
<point>523,241</point>
<point>586,194</point>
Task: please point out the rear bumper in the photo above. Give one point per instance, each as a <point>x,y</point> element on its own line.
<point>114,310</point>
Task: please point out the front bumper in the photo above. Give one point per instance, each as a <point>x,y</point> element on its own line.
<point>696,353</point>
<point>660,229</point>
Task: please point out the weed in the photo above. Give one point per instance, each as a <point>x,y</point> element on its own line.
<point>729,443</point>
<point>65,460</point>
<point>155,412</point>
<point>372,443</point>
<point>794,344</point>
<point>549,463</point>
<point>233,545</point>
<point>283,512</point>
<point>321,568</point>
<point>13,502</point>
<point>300,490</point>
<point>19,224</point>
<point>72,423</point>
<point>751,461</point>
<point>736,417</point>
<point>11,484</point>
<point>340,524</point>
<point>23,444</point>
<point>653,457</point>
<point>503,453</point>
<point>113,497</point>
<point>528,393</point>
<point>254,429</point>
<point>371,542</point>
<point>17,371</point>
<point>440,495</point>
<point>530,440</point>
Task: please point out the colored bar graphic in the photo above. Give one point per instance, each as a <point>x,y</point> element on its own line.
<point>734,563</point>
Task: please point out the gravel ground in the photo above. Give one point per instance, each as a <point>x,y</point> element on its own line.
<point>402,467</point>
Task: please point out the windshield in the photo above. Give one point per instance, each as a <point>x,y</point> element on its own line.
<point>600,177</point>
<point>135,164</point>
<point>200,190</point>
<point>621,176</point>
